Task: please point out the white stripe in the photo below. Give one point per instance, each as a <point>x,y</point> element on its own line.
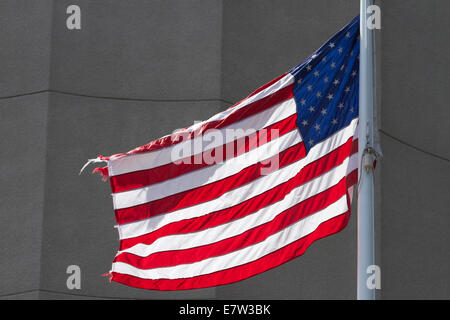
<point>352,163</point>
<point>285,81</point>
<point>238,195</point>
<point>274,242</point>
<point>278,85</point>
<point>236,227</point>
<point>228,199</point>
<point>149,160</point>
<point>206,175</point>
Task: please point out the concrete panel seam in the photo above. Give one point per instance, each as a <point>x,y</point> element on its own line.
<point>414,147</point>
<point>17,293</point>
<point>65,293</point>
<point>115,98</point>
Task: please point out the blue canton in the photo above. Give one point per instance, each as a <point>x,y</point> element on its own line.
<point>326,87</point>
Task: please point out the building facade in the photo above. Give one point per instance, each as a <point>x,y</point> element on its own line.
<point>137,70</point>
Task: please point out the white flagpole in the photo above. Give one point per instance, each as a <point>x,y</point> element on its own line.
<point>365,147</point>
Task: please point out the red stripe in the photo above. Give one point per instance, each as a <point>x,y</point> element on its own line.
<point>142,178</point>
<point>268,84</point>
<point>241,272</point>
<point>355,146</point>
<point>247,238</point>
<point>249,206</point>
<point>352,178</point>
<point>206,192</point>
<point>242,113</point>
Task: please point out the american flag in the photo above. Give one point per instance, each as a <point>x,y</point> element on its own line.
<point>248,189</point>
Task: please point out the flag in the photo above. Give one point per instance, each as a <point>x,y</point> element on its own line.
<point>248,189</point>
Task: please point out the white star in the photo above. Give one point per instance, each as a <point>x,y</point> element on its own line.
<point>299,81</point>
<point>341,105</point>
<point>352,109</point>
<point>347,89</point>
<point>304,123</point>
<point>318,94</point>
<point>309,87</point>
<point>331,45</point>
<point>312,108</point>
<point>316,73</point>
<point>303,102</point>
<point>308,67</point>
<point>354,73</point>
<point>310,142</point>
<point>336,82</point>
<point>333,65</point>
<point>317,127</point>
<point>330,96</point>
<point>334,121</point>
<point>324,59</point>
<point>340,50</point>
<point>324,112</point>
<point>325,80</point>
<point>348,35</point>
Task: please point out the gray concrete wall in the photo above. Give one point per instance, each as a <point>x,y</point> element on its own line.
<point>158,50</point>
<point>25,39</point>
<point>26,43</point>
<point>415,138</point>
<point>138,70</point>
<point>134,72</point>
<point>23,122</point>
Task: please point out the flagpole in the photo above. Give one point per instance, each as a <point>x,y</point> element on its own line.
<point>365,147</point>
